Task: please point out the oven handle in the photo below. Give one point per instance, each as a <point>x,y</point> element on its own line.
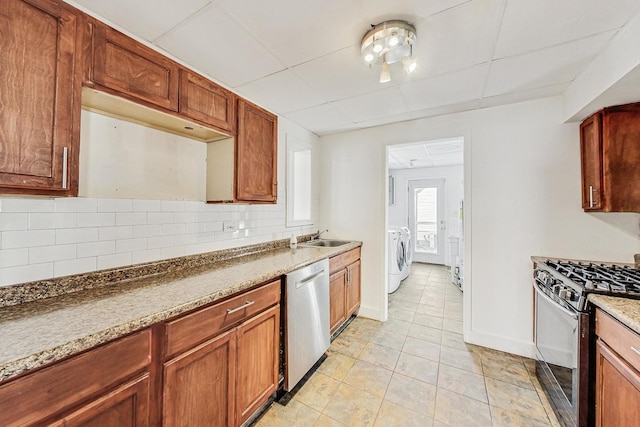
<point>566,311</point>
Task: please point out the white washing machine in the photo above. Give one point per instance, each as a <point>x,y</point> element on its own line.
<point>396,258</point>
<point>408,252</point>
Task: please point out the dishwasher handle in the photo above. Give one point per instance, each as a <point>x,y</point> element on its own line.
<point>301,283</point>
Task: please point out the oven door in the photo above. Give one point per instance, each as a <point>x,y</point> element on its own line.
<point>557,340</point>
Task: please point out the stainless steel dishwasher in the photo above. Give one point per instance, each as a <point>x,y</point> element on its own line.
<point>307,322</point>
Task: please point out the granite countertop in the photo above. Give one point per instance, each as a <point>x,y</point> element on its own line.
<point>39,332</point>
<point>626,310</point>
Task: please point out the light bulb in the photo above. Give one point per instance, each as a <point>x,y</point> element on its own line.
<point>408,64</point>
<point>377,48</point>
<point>369,57</point>
<point>393,41</point>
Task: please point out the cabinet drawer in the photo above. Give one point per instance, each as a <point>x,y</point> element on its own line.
<point>344,259</point>
<point>194,328</point>
<point>33,398</point>
<point>621,339</point>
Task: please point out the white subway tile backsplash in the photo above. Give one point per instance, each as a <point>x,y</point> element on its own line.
<point>14,257</point>
<point>147,230</point>
<point>26,239</point>
<point>116,260</point>
<point>147,205</point>
<point>74,266</point>
<point>130,245</point>
<point>149,255</point>
<point>170,229</point>
<point>93,219</point>
<point>185,217</point>
<point>173,205</point>
<point>49,220</point>
<point>26,205</point>
<point>159,217</point>
<point>76,235</point>
<point>25,273</point>
<point>115,233</point>
<point>43,254</point>
<point>185,239</point>
<point>173,252</point>
<point>131,218</point>
<point>96,248</point>
<point>13,221</point>
<point>115,205</point>
<point>76,204</point>
<point>160,242</point>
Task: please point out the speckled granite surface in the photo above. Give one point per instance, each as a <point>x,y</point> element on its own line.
<point>35,333</point>
<point>625,310</point>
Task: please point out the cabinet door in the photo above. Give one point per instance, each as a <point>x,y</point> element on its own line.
<point>126,406</point>
<point>617,390</point>
<point>258,362</point>
<point>131,69</point>
<point>39,98</point>
<point>199,385</point>
<point>337,297</point>
<point>256,154</point>
<point>591,158</point>
<point>207,102</point>
<point>353,288</point>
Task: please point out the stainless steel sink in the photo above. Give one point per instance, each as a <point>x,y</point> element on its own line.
<point>324,243</point>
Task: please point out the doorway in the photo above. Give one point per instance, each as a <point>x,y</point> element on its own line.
<point>426,220</point>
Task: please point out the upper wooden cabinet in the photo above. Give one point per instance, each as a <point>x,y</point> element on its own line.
<point>129,68</point>
<point>256,154</point>
<point>40,92</point>
<point>204,100</point>
<point>610,154</point>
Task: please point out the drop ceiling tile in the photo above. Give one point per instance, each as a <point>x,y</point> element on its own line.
<point>446,109</point>
<point>281,92</point>
<point>320,117</point>
<point>298,31</point>
<point>529,25</point>
<point>450,88</point>
<point>214,43</point>
<point>457,38</point>
<point>547,67</point>
<point>527,95</point>
<point>374,105</point>
<point>376,11</point>
<point>341,74</point>
<point>142,19</point>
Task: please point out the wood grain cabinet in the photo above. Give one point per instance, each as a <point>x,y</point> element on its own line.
<point>203,100</point>
<point>610,153</point>
<point>107,386</point>
<point>617,373</point>
<point>124,67</point>
<point>40,91</point>
<point>256,154</point>
<point>344,287</point>
<point>225,379</point>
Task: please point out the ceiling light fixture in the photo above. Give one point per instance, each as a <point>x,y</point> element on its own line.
<point>387,43</point>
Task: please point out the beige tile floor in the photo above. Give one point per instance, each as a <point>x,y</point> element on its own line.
<point>415,370</point>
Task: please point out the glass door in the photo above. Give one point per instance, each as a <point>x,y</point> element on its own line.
<point>426,220</point>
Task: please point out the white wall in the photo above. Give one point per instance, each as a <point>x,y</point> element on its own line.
<point>453,194</point>
<point>42,238</point>
<point>522,198</point>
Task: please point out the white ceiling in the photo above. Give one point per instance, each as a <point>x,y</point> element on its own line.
<point>301,58</point>
<point>445,152</point>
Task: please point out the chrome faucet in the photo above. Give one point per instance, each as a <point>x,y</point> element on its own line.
<point>317,235</point>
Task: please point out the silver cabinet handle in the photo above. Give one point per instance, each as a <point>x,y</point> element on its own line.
<point>591,196</point>
<point>65,165</point>
<point>242,307</point>
<point>635,350</point>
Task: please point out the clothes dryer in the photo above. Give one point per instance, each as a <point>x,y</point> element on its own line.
<point>396,258</point>
<point>408,252</point>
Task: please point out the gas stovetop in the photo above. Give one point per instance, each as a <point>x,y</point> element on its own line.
<point>569,282</point>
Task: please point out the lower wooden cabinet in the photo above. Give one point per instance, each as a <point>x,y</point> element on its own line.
<point>126,406</point>
<point>617,373</point>
<point>199,385</point>
<point>344,287</point>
